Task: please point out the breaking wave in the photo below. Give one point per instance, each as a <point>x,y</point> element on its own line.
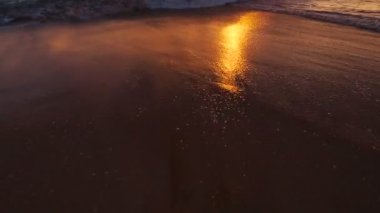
<point>358,13</point>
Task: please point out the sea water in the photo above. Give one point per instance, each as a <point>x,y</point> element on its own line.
<point>359,13</point>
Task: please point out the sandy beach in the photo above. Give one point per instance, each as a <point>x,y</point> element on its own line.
<point>215,110</point>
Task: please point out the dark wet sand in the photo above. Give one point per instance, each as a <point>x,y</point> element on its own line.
<point>210,111</point>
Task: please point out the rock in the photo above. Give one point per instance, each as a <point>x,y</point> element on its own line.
<point>6,20</point>
<point>87,9</point>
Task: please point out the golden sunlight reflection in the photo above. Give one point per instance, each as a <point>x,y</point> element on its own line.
<point>61,41</point>
<point>232,61</point>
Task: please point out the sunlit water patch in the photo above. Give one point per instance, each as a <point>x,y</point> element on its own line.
<point>233,59</point>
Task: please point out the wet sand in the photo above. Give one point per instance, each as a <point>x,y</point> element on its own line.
<point>207,111</point>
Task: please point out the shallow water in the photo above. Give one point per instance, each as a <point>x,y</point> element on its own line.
<point>360,13</point>
<point>207,111</point>
<point>369,8</point>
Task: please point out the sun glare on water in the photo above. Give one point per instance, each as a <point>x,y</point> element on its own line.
<point>232,60</point>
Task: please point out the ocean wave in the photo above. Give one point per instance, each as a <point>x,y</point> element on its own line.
<point>351,19</point>
<point>346,12</point>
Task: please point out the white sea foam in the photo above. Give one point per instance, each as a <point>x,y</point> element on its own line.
<point>358,13</point>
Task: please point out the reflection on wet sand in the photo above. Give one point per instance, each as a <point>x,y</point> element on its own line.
<point>60,42</point>
<point>232,60</point>
<point>125,115</point>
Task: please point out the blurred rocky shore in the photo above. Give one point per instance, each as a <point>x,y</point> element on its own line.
<point>52,10</point>
<point>13,11</point>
